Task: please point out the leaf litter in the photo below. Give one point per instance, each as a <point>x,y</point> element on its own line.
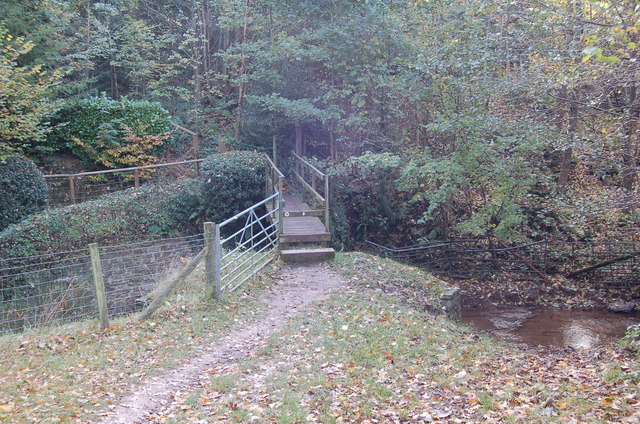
<point>368,356</point>
<point>374,352</point>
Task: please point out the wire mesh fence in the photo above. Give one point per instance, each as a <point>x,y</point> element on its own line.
<point>66,189</point>
<point>59,287</point>
<point>131,272</point>
<point>43,289</point>
<point>612,264</point>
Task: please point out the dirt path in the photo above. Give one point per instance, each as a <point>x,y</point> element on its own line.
<point>300,286</point>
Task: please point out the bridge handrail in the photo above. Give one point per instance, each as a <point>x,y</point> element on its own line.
<point>273,166</point>
<point>301,169</point>
<point>305,163</point>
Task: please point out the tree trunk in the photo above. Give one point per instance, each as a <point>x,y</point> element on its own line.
<point>298,147</point>
<point>206,41</point>
<point>88,68</point>
<point>243,69</point>
<point>332,140</point>
<point>567,153</point>
<point>565,169</point>
<point>113,82</point>
<point>195,48</point>
<point>573,36</point>
<point>630,149</point>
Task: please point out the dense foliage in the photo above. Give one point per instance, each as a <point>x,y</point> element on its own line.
<point>23,190</point>
<point>507,120</point>
<point>230,183</point>
<point>102,131</point>
<point>365,200</point>
<point>23,102</point>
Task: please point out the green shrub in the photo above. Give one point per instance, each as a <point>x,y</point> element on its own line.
<point>123,217</point>
<point>365,199</point>
<point>631,339</point>
<point>91,126</point>
<point>23,190</point>
<point>230,183</point>
<point>186,206</point>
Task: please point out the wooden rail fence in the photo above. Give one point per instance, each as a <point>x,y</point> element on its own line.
<point>127,176</point>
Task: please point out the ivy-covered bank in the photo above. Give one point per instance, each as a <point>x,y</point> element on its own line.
<point>229,183</point>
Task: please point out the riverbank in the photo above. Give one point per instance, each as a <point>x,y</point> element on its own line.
<point>503,289</point>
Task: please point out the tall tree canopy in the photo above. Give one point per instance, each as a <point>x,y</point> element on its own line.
<point>504,117</point>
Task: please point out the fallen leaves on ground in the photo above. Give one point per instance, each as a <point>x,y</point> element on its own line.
<point>72,373</point>
<point>367,356</point>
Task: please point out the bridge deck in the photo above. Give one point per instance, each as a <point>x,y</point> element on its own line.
<point>301,228</point>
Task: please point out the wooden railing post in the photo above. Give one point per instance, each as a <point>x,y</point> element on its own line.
<point>267,179</point>
<point>326,201</point>
<point>217,264</point>
<point>196,152</point>
<point>196,146</point>
<point>314,186</point>
<point>101,297</point>
<point>222,145</point>
<point>136,178</point>
<point>275,150</point>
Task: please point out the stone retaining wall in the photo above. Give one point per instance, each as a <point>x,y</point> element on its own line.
<point>130,277</point>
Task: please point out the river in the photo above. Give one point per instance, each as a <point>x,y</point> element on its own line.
<point>576,329</point>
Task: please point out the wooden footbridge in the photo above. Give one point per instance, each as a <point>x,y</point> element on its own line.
<point>304,217</point>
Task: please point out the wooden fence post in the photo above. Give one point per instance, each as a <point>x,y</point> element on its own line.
<point>222,145</point>
<point>267,179</point>
<point>217,263</point>
<point>136,178</point>
<point>72,189</point>
<point>274,146</point>
<point>209,260</point>
<point>315,188</point>
<point>96,267</point>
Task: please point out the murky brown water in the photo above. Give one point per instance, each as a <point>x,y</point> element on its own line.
<point>577,329</point>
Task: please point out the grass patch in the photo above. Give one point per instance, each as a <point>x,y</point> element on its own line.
<point>371,354</point>
<point>415,287</point>
<point>69,373</point>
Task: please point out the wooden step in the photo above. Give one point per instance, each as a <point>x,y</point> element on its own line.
<point>304,238</point>
<point>308,255</point>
